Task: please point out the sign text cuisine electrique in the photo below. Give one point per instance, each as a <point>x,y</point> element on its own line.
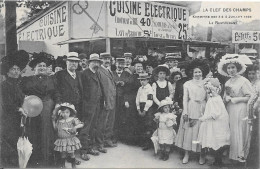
<point>152,19</point>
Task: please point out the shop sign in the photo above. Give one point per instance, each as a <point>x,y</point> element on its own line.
<point>51,26</point>
<point>245,36</point>
<point>147,19</point>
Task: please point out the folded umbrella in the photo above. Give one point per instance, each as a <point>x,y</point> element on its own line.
<point>155,141</point>
<point>24,148</point>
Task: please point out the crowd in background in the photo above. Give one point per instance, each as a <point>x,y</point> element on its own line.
<point>131,100</point>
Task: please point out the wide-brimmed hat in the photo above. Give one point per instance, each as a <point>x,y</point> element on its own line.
<point>60,62</point>
<point>74,56</point>
<point>163,68</point>
<point>105,55</point>
<point>197,63</point>
<point>128,55</point>
<point>19,58</point>
<point>144,76</point>
<point>234,59</point>
<point>166,101</point>
<point>68,105</point>
<point>137,60</point>
<point>41,57</point>
<point>94,57</point>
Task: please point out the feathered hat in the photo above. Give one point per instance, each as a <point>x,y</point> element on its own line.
<point>60,62</point>
<point>19,58</point>
<point>41,57</point>
<point>228,59</point>
<point>198,63</point>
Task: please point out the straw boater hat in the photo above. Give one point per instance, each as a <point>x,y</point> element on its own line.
<point>128,55</point>
<point>234,59</point>
<point>94,57</point>
<point>121,60</point>
<point>163,68</point>
<point>19,58</point>
<point>198,63</point>
<point>173,56</point>
<point>73,56</point>
<point>105,55</point>
<point>144,76</point>
<point>41,57</point>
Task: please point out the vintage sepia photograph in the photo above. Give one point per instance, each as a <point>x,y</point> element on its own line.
<point>129,84</point>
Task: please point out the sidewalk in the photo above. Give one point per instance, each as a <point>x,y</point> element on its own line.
<point>125,156</point>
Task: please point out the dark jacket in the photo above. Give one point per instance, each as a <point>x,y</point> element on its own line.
<point>92,92</point>
<point>67,92</point>
<point>124,77</point>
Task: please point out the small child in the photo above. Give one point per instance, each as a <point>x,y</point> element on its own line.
<point>166,134</point>
<point>144,102</point>
<point>66,125</point>
<point>214,130</point>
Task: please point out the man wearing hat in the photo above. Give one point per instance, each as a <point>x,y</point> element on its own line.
<point>128,62</point>
<point>131,87</point>
<point>83,61</point>
<point>120,78</point>
<point>11,100</point>
<point>109,99</point>
<point>144,102</point>
<point>172,61</point>
<point>91,133</point>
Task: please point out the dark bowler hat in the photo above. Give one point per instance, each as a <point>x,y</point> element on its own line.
<point>74,56</point>
<point>144,76</point>
<point>128,55</point>
<point>83,56</point>
<point>105,55</point>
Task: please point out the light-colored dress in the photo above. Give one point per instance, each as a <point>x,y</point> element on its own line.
<point>214,129</point>
<point>239,128</point>
<point>194,101</point>
<point>67,142</point>
<point>166,133</point>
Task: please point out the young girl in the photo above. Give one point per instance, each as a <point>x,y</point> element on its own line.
<point>214,130</point>
<point>66,124</point>
<point>166,134</point>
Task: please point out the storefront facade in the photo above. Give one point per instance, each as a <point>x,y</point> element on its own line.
<point>142,28</point>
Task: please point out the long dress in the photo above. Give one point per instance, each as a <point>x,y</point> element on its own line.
<point>39,129</point>
<point>239,128</point>
<point>214,130</point>
<point>12,98</point>
<point>194,101</point>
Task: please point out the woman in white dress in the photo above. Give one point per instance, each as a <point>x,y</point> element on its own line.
<point>194,101</point>
<point>238,91</point>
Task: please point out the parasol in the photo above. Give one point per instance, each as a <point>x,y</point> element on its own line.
<point>155,141</point>
<point>24,148</point>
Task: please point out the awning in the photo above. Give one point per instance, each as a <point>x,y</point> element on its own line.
<point>78,40</point>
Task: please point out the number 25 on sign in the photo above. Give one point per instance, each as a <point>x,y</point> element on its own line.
<point>183,30</point>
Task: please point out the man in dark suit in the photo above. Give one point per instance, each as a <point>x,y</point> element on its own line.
<point>70,85</point>
<point>92,94</point>
<point>109,99</point>
<point>120,78</point>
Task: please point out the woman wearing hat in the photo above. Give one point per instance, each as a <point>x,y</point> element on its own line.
<point>194,101</point>
<point>12,100</point>
<point>238,91</point>
<point>162,88</point>
<point>39,128</point>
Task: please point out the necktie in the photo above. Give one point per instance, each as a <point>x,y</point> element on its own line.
<point>74,75</point>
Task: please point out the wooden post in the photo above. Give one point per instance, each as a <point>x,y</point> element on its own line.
<point>209,37</point>
<point>10,27</point>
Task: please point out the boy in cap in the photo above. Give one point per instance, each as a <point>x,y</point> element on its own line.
<point>172,61</point>
<point>144,102</point>
<point>128,62</point>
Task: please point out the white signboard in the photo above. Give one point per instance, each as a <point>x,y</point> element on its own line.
<point>245,36</point>
<point>50,28</point>
<point>147,19</point>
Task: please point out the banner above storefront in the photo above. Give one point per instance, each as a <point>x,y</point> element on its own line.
<point>245,36</point>
<point>147,19</point>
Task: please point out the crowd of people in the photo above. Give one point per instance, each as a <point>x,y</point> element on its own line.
<point>90,103</point>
